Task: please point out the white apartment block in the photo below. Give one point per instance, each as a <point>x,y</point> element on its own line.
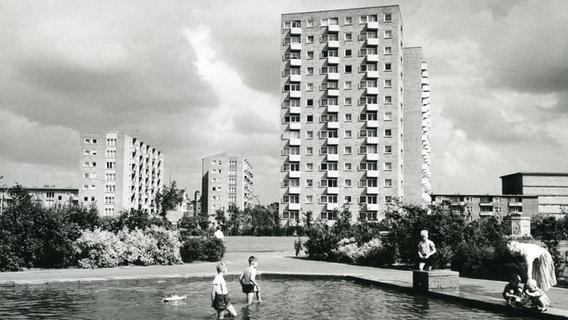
<point>119,172</point>
<point>344,114</point>
<point>227,183</point>
<point>48,195</point>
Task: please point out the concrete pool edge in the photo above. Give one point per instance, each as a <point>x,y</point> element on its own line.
<point>463,298</point>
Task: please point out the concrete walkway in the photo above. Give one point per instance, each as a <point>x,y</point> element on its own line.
<point>482,293</point>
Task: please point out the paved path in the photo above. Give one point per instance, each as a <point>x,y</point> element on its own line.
<point>474,290</point>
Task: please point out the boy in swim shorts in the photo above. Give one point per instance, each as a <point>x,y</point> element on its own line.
<point>220,299</point>
<point>248,281</point>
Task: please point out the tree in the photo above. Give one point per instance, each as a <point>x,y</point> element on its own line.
<point>168,199</point>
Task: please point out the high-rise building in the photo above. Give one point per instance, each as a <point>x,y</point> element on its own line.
<point>345,114</point>
<point>226,183</point>
<point>119,172</point>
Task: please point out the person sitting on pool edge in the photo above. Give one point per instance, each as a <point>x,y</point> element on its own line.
<point>513,292</point>
<point>426,249</point>
<point>220,299</point>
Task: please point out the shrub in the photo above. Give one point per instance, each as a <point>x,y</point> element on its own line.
<point>202,249</point>
<point>98,249</point>
<point>167,245</point>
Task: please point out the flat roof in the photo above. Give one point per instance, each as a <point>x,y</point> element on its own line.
<point>344,9</point>
<point>559,174</point>
<point>482,195</point>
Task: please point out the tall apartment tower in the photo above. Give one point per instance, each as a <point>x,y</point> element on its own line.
<point>119,172</point>
<point>226,183</point>
<point>342,113</point>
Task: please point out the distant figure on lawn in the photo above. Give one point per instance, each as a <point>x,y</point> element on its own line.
<point>298,246</point>
<point>540,266</point>
<point>219,233</point>
<point>248,281</point>
<point>426,248</point>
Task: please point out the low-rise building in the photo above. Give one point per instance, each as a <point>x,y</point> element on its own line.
<point>476,206</point>
<point>48,195</point>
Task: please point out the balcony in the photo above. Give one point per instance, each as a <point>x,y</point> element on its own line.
<point>295,46</point>
<point>486,214</point>
<point>426,87</point>
<point>424,73</point>
<point>486,204</point>
<point>372,58</point>
<point>372,107</point>
<point>372,74</point>
<point>333,44</point>
<point>296,62</point>
<point>373,25</point>
<point>331,206</point>
<point>295,31</point>
<point>294,190</point>
<point>372,190</point>
<point>295,125</point>
<point>372,124</point>
<point>294,174</point>
<point>294,206</point>
<point>372,157</point>
<point>295,110</point>
<point>515,204</point>
<point>425,81</point>
<point>372,173</point>
<point>332,190</point>
<point>294,157</point>
<point>332,92</point>
<point>333,125</point>
<point>295,78</point>
<point>295,94</point>
<point>295,141</point>
<point>333,108</point>
<point>332,157</point>
<point>372,207</point>
<point>372,42</point>
<point>372,140</point>
<point>372,91</point>
<point>332,60</point>
<point>333,28</point>
<point>335,76</point>
<point>333,141</point>
<point>332,173</point>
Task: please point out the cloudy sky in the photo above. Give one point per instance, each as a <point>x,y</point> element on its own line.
<point>195,78</point>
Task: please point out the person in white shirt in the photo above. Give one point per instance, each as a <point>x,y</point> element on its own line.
<point>219,233</point>
<point>220,299</point>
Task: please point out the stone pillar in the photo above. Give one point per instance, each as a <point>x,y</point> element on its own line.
<point>518,225</point>
<point>435,280</point>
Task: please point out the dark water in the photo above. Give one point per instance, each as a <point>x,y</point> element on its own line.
<point>282,299</point>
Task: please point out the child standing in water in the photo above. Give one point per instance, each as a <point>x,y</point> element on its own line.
<point>426,249</point>
<point>220,300</point>
<point>248,280</point>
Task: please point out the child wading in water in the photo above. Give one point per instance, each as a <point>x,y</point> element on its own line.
<point>220,300</point>
<point>248,281</point>
<point>426,248</point>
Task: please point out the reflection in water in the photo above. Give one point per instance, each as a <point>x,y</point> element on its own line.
<point>282,299</point>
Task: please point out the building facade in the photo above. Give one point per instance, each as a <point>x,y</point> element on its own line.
<point>343,120</point>
<point>119,172</point>
<point>48,195</point>
<point>226,183</point>
<point>477,206</point>
<point>550,187</point>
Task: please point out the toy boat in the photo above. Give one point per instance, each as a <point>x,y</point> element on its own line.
<point>173,297</point>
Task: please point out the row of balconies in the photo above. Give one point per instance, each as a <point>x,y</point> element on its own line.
<point>332,141</point>
<point>335,28</point>
<point>334,109</point>
<point>333,124</point>
<point>333,206</point>
<point>333,157</point>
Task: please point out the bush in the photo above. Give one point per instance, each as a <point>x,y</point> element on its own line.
<point>321,242</point>
<point>99,249</point>
<point>167,245</point>
<point>369,253</point>
<point>202,249</point>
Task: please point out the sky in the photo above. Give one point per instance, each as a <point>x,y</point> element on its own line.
<point>196,78</point>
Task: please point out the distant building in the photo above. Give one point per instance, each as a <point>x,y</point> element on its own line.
<point>550,187</point>
<point>227,182</point>
<point>119,172</point>
<point>48,195</point>
<point>476,206</point>
<point>194,206</point>
<point>354,114</point>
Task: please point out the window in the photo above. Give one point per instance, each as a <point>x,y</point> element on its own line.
<point>310,39</point>
<point>388,166</point>
<point>387,17</point>
<point>86,164</point>
<point>388,116</point>
<point>388,99</point>
<point>348,134</point>
<point>388,149</point>
<point>110,188</point>
<point>388,50</point>
<point>309,151</point>
<point>347,183</point>
<point>309,134</point>
<point>93,175</point>
<point>309,167</point>
<point>348,52</point>
<point>310,118</point>
<point>309,199</point>
<point>348,117</point>
<point>86,152</point>
<point>309,183</point>
<point>86,175</point>
<point>110,165</point>
<point>348,37</point>
<point>388,83</point>
<point>348,102</point>
<point>309,87</point>
<point>310,102</point>
<point>388,67</point>
<point>87,141</point>
<point>348,150</point>
<point>348,68</point>
<point>310,23</point>
<point>388,34</point>
<point>310,55</point>
<point>93,164</point>
<point>388,183</point>
<point>348,20</point>
<point>310,71</point>
<point>388,133</point>
<point>348,85</point>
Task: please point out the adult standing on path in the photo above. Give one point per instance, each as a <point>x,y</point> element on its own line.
<point>219,234</point>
